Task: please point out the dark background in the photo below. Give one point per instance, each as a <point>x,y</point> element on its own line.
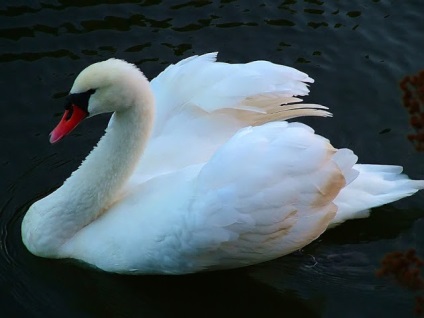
<point>357,51</point>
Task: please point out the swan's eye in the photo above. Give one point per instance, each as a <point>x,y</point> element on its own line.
<point>79,99</point>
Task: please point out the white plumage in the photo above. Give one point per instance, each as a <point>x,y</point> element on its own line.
<point>216,179</point>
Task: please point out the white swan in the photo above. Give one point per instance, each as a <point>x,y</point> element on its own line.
<point>210,183</point>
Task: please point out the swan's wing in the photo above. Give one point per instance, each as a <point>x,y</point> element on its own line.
<point>267,192</point>
<point>255,89</point>
<point>200,103</point>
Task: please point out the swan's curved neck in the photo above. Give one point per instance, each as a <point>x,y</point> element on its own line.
<point>53,220</point>
<point>111,162</point>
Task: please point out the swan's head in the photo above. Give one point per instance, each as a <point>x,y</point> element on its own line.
<point>108,86</point>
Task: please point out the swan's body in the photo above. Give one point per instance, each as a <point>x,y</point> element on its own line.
<point>198,188</point>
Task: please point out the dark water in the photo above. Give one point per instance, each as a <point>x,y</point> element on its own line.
<point>357,51</point>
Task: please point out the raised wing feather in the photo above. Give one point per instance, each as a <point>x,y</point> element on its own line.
<point>200,81</point>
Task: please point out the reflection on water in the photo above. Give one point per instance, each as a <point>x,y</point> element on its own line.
<point>405,269</point>
<point>413,100</point>
<point>357,52</point>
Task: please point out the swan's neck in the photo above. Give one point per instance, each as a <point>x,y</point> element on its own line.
<point>105,170</point>
<point>90,189</point>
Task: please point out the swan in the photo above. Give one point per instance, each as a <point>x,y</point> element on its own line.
<point>199,170</point>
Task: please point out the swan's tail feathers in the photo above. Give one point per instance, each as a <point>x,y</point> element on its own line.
<point>376,185</point>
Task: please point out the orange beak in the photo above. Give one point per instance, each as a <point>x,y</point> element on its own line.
<point>70,119</point>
